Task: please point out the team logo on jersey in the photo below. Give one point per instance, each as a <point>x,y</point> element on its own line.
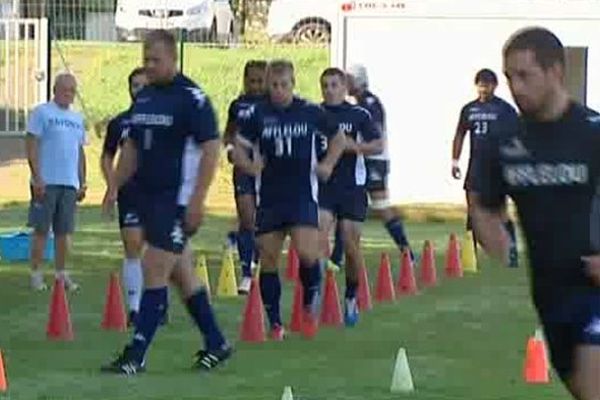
<point>198,96</point>
<point>131,218</point>
<point>546,174</point>
<point>246,113</point>
<point>515,149</point>
<point>125,133</point>
<point>177,235</point>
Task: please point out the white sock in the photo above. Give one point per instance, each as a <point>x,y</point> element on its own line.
<point>133,280</point>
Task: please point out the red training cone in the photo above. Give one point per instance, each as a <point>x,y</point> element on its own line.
<point>453,263</point>
<point>297,309</point>
<point>364,293</point>
<point>428,270</point>
<point>114,310</point>
<point>407,284</point>
<point>385,285</point>
<point>536,364</point>
<point>3,380</point>
<point>331,314</point>
<point>59,321</point>
<point>293,264</point>
<point>253,325</point>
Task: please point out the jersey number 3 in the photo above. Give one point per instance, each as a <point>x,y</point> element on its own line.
<point>283,147</point>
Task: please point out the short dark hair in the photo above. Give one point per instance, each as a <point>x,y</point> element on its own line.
<point>280,65</point>
<point>333,71</point>
<point>163,36</point>
<point>486,75</point>
<point>545,45</point>
<point>254,64</point>
<point>137,71</point>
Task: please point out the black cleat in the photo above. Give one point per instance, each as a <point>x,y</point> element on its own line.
<point>208,360</point>
<point>124,364</point>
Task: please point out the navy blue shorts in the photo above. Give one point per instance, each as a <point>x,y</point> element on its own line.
<point>243,184</point>
<point>344,203</point>
<point>282,217</point>
<point>377,175</point>
<point>129,212</point>
<point>573,321</point>
<point>163,222</point>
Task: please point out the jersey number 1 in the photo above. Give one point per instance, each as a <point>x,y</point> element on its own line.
<point>283,146</point>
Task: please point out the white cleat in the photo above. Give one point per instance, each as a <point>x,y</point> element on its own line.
<point>70,285</point>
<point>37,281</point>
<point>244,286</point>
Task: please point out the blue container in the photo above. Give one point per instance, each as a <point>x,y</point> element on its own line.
<point>16,247</point>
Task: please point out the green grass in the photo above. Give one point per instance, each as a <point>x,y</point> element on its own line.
<point>465,339</point>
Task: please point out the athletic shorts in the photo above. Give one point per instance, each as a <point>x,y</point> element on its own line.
<point>468,184</point>
<point>344,203</point>
<point>56,210</point>
<point>243,184</point>
<point>377,174</point>
<point>572,321</point>
<point>163,222</point>
<point>286,216</point>
<point>129,213</point>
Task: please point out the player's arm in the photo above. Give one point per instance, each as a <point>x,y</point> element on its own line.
<point>126,164</point>
<point>371,143</point>
<point>457,143</point>
<point>335,148</point>
<point>230,127</point>
<point>207,169</point>
<point>109,151</point>
<point>487,203</point>
<point>244,142</point>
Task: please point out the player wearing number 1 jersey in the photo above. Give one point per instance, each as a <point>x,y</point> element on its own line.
<point>485,116</point>
<point>284,130</point>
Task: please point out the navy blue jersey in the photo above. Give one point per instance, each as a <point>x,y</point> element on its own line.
<point>240,108</point>
<point>287,140</point>
<point>356,123</point>
<point>116,133</point>
<point>482,119</point>
<point>373,105</point>
<point>168,122</point>
<point>552,172</point>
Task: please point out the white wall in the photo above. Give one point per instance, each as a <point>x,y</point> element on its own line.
<point>425,75</point>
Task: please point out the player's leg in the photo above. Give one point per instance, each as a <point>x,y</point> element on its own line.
<point>337,253</point>
<point>40,219</point>
<point>469,195</point>
<point>326,223</point>
<point>245,201</point>
<point>63,226</point>
<point>195,297</point>
<point>270,243</point>
<point>510,228</point>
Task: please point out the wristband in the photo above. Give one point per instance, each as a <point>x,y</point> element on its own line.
<point>454,163</point>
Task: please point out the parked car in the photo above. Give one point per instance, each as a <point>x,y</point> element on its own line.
<point>301,21</point>
<point>204,20</point>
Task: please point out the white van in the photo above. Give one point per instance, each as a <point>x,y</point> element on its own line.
<point>204,20</point>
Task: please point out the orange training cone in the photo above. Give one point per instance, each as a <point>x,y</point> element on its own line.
<point>428,270</point>
<point>114,310</point>
<point>3,380</point>
<point>536,364</point>
<point>364,292</point>
<point>59,321</point>
<point>293,264</point>
<point>385,285</point>
<point>253,325</point>
<point>407,284</point>
<point>297,309</point>
<point>331,314</point>
<point>453,263</point>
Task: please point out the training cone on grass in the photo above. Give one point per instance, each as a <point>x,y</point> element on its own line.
<point>536,364</point>
<point>453,262</point>
<point>3,378</point>
<point>468,255</point>
<point>296,319</point>
<point>227,285</point>
<point>331,313</point>
<point>253,323</point>
<point>384,291</point>
<point>407,284</point>
<point>428,269</point>
<point>402,381</point>
<point>59,319</point>
<point>287,393</point>
<point>202,273</point>
<point>364,291</point>
<point>293,264</point>
<point>114,318</point>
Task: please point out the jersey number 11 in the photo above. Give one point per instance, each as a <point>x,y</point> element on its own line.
<point>283,146</point>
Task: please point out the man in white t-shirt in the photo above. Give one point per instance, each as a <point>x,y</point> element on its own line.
<point>55,140</point>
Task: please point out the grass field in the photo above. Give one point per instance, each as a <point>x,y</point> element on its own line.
<point>465,339</point>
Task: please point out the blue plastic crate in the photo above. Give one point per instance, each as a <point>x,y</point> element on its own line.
<point>16,247</point>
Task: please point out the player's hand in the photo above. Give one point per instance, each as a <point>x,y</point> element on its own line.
<point>257,165</point>
<point>108,203</point>
<point>39,190</point>
<point>592,264</point>
<point>194,216</point>
<point>229,151</point>
<point>352,146</point>
<point>456,174</point>
<point>324,171</point>
<point>81,193</point>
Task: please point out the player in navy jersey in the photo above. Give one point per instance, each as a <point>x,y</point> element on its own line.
<point>344,196</point>
<point>172,148</point>
<point>550,167</point>
<point>377,165</point>
<point>244,184</point>
<point>284,130</point>
<point>129,216</point>
<point>485,116</point>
